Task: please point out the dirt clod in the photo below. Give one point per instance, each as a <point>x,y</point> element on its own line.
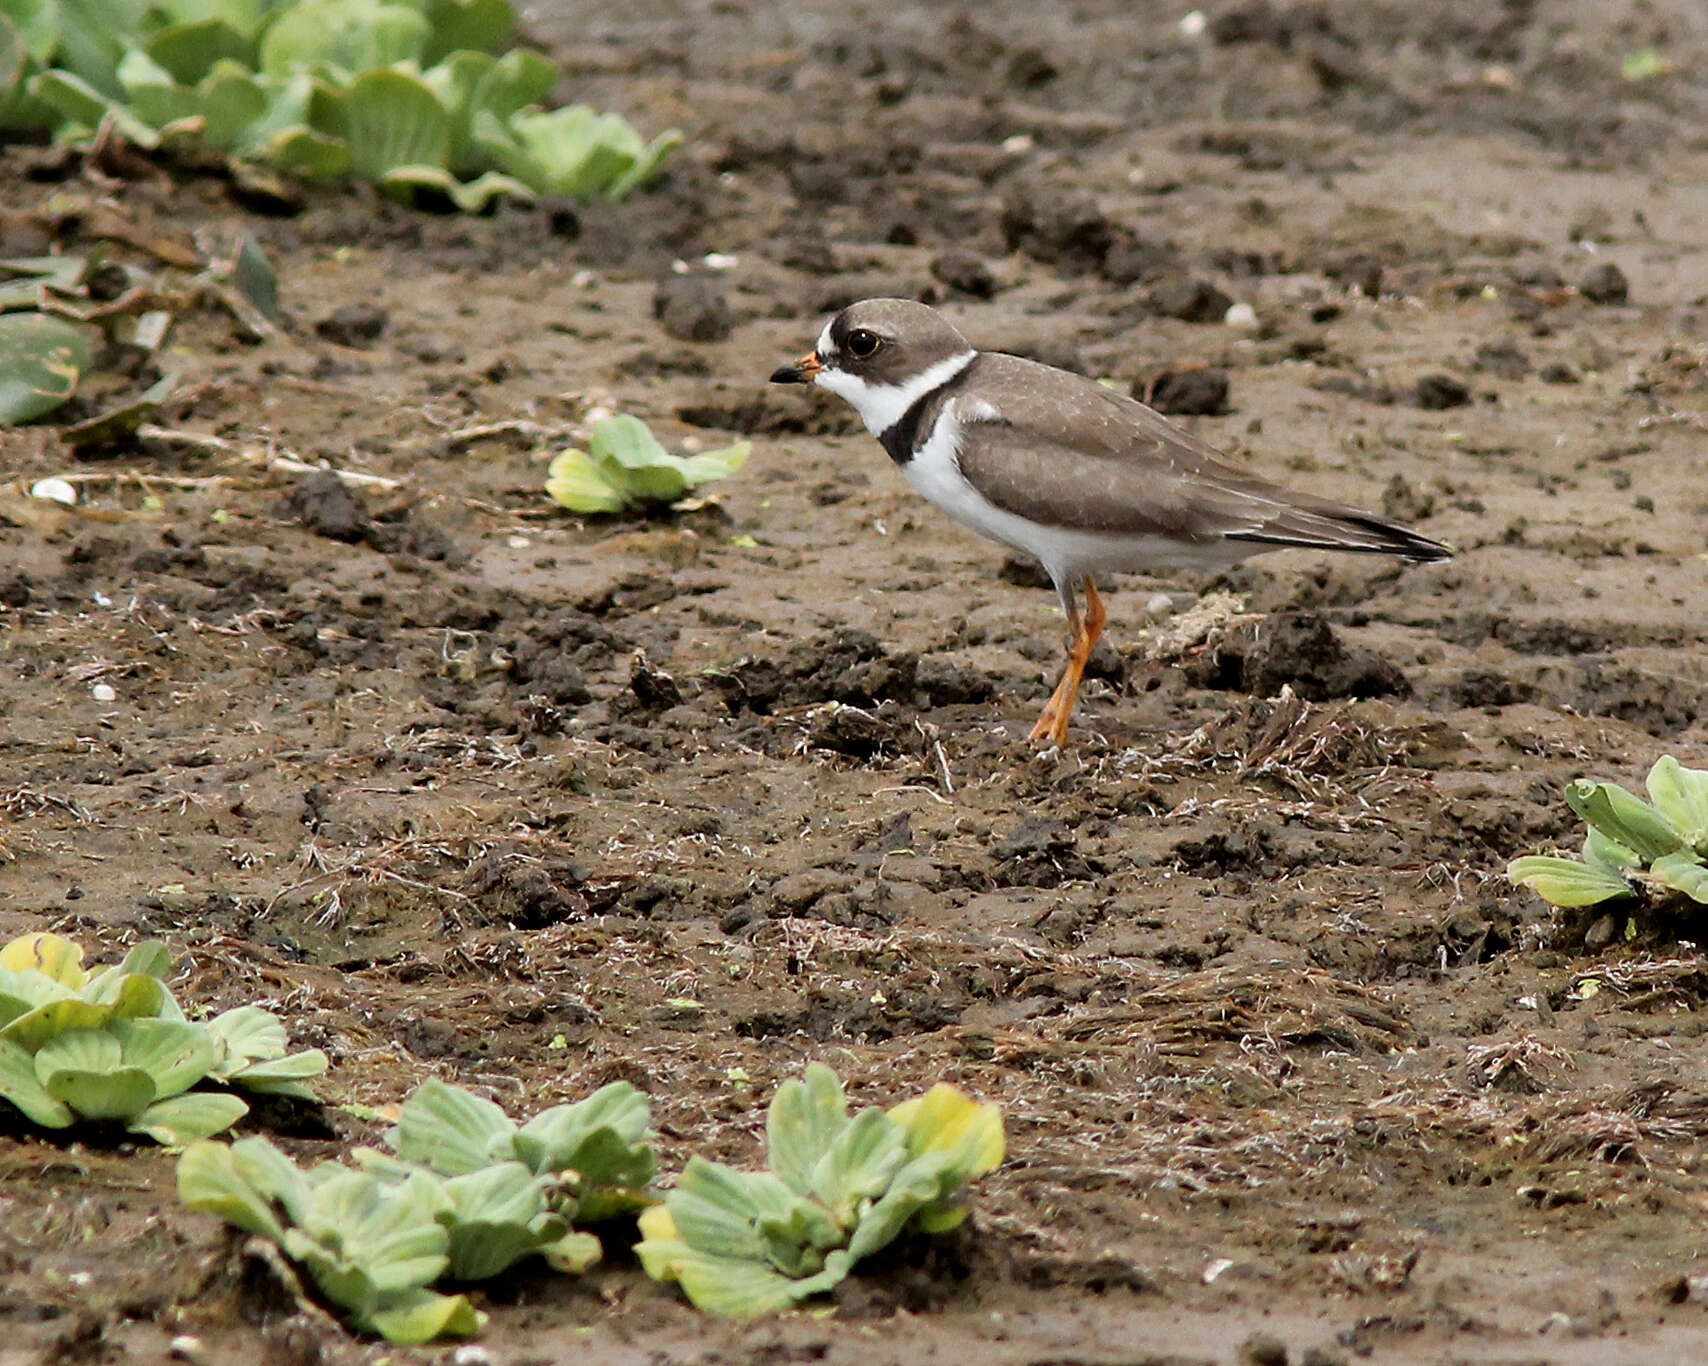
<point>692,308</point>
<point>357,325</point>
<point>1298,650</point>
<point>1605,284</point>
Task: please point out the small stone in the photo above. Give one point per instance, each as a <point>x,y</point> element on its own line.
<point>323,504</point>
<point>471,1354</point>
<point>1673,1290</point>
<point>1261,1349</point>
<point>653,688</point>
<point>104,692</point>
<point>692,308</point>
<point>1600,934</point>
<point>1436,392</point>
<point>1186,393</point>
<point>965,273</point>
<point>187,1347</point>
<point>1503,358</point>
<point>353,325</point>
<point>1241,317</point>
<point>1024,572</point>
<point>1191,300</point>
<point>1558,372</point>
<point>1606,284</point>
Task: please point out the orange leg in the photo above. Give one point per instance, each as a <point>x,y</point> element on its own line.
<point>1084,633</point>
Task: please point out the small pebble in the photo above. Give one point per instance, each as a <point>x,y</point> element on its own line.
<point>1437,392</point>
<point>1241,315</point>
<point>55,491</point>
<point>104,692</point>
<point>1606,284</point>
<point>471,1354</point>
<point>187,1347</point>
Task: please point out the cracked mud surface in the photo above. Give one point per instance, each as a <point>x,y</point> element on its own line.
<point>464,787</point>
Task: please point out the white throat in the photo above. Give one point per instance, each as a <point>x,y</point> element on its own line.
<point>881,405</point>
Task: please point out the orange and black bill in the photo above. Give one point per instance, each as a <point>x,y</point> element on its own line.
<point>801,372</point>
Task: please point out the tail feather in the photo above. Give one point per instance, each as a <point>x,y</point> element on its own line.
<point>1335,528</point>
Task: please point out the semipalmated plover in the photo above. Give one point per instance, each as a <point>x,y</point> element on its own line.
<point>1049,462</point>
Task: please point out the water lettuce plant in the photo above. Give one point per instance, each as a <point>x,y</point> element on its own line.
<point>597,1152</point>
<point>410,94</point>
<point>1655,850</point>
<point>464,1194</point>
<point>115,1045</point>
<point>370,1245</point>
<point>626,467</point>
<point>838,1189</point>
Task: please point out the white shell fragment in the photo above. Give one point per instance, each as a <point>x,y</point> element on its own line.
<point>55,491</point>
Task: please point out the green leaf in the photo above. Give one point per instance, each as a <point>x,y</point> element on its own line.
<point>860,1164</point>
<point>482,25</point>
<point>242,15</point>
<point>84,1068</point>
<point>247,1034</point>
<point>92,40</point>
<point>394,121</point>
<point>471,83</point>
<point>1680,794</point>
<point>41,361</point>
<point>451,1130</point>
<point>119,424</point>
<point>176,1055</point>
<point>349,35</point>
<point>1623,817</point>
<point>20,1085</point>
<point>304,152</point>
<point>425,1315</point>
<point>85,108</point>
<point>37,24</point>
<point>33,1030</point>
<point>1609,854</point>
<point>708,466</point>
<point>572,151</point>
<point>232,104</point>
<point>921,1182</point>
<point>600,1147</point>
<point>1683,872</point>
<point>257,280</point>
<point>189,1118</point>
<point>804,1120</point>
<point>242,1184</point>
<point>629,442</point>
<point>574,481</point>
<point>646,165</point>
<point>475,195</point>
<point>573,1253</point>
<point>734,1288</point>
<point>1566,882</point>
<point>190,51</point>
<point>14,58</point>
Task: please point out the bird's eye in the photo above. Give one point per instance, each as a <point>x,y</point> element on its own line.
<point>862,343</point>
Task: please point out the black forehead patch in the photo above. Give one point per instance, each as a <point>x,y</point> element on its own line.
<point>840,327</point>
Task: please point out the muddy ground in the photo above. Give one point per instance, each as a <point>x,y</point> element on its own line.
<point>466,787</point>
